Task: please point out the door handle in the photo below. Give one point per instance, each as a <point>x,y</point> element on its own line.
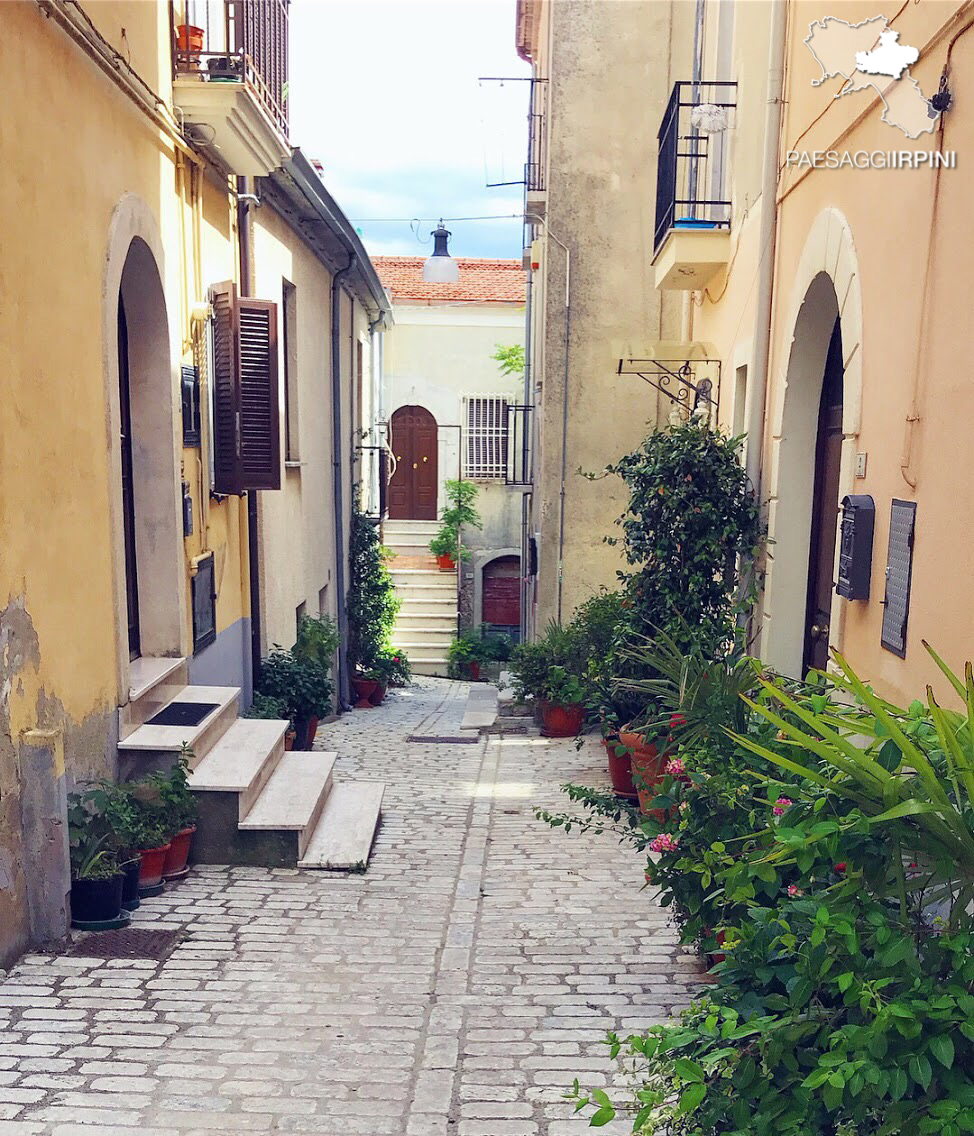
<point>415,466</point>
<point>819,630</point>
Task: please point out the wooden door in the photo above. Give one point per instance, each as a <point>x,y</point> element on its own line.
<point>502,592</point>
<point>825,510</point>
<point>128,497</point>
<point>412,490</point>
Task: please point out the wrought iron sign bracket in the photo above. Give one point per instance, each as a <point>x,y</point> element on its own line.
<point>690,383</point>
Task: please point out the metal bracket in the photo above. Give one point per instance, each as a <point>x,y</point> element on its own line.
<point>690,383</point>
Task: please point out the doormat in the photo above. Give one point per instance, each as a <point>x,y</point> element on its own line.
<point>182,714</point>
<point>129,942</point>
<point>442,739</point>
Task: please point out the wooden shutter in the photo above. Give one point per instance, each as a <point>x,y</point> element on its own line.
<point>899,573</point>
<point>226,395</point>
<point>246,411</point>
<point>260,423</point>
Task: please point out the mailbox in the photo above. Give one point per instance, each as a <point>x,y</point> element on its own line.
<point>856,547</point>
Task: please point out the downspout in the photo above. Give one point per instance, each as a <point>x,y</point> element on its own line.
<point>756,393</point>
<point>246,268</point>
<point>525,454</point>
<point>338,485</point>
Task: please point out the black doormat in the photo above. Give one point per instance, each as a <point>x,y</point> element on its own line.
<point>129,942</point>
<point>182,714</point>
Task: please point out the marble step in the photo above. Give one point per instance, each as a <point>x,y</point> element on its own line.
<point>294,796</point>
<point>342,839</point>
<point>242,760</point>
<point>150,747</point>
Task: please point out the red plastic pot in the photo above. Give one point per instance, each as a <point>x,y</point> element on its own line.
<point>152,866</point>
<point>620,770</point>
<point>311,732</point>
<point>378,694</point>
<point>647,770</point>
<point>446,563</point>
<point>178,854</point>
<point>364,689</point>
<point>561,721</point>
<point>471,671</point>
<point>190,38</point>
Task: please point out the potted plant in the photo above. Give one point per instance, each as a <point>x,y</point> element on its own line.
<point>620,766</point>
<point>181,807</point>
<point>302,686</point>
<point>464,656</point>
<point>366,686</point>
<point>399,672</point>
<point>269,708</point>
<point>444,547</point>
<point>562,704</point>
<point>646,761</point>
<point>96,880</point>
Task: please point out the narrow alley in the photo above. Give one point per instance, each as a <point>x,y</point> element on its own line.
<point>457,987</point>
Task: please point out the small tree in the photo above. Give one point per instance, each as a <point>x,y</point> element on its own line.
<point>372,601</point>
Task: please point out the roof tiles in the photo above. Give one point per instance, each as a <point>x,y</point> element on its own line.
<point>481,281</point>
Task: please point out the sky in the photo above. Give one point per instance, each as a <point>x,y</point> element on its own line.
<point>387,95</point>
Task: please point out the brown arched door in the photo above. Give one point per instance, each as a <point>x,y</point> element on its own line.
<point>412,490</point>
<point>502,592</point>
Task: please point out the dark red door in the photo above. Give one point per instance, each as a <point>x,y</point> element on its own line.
<point>412,490</point>
<point>502,592</point>
<point>825,510</point>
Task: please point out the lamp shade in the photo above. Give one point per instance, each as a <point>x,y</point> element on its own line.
<point>440,268</point>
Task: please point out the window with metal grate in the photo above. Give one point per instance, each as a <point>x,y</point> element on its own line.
<point>486,437</point>
<point>204,604</point>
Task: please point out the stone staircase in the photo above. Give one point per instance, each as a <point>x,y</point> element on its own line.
<point>259,804</point>
<point>427,620</point>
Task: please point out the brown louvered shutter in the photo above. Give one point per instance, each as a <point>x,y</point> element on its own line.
<point>260,425</point>
<point>226,389</point>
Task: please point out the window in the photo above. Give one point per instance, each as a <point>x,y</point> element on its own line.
<point>486,441</point>
<point>246,412</point>
<point>204,604</point>
<point>323,600</point>
<point>740,400</point>
<point>191,405</point>
<point>899,573</point>
<point>299,613</point>
<point>289,321</point>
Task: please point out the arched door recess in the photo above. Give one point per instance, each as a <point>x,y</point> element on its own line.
<point>413,487</point>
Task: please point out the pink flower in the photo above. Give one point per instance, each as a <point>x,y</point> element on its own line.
<point>794,890</point>
<point>664,843</point>
<point>674,766</point>
<point>780,805</point>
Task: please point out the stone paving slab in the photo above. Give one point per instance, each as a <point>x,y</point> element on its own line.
<point>454,990</point>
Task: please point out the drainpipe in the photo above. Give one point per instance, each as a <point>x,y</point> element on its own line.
<point>756,392</point>
<point>246,267</point>
<point>344,699</point>
<point>525,452</point>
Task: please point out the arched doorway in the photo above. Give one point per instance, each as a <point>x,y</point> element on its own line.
<point>414,484</point>
<point>501,595</point>
<point>146,466</point>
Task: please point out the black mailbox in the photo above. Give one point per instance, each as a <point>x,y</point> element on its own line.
<point>856,547</point>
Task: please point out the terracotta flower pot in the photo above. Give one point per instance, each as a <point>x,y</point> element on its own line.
<point>561,721</point>
<point>289,739</point>
<point>153,864</point>
<point>378,694</point>
<point>620,770</point>
<point>446,563</point>
<point>178,853</point>
<point>647,770</point>
<point>364,689</point>
<point>312,732</point>
<point>96,901</point>
<point>470,671</point>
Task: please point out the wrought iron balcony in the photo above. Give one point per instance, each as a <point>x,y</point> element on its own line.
<point>534,173</point>
<point>691,177</point>
<point>231,75</point>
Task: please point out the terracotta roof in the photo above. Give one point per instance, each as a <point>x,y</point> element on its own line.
<point>481,281</point>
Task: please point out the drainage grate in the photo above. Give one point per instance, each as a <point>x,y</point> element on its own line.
<point>182,714</point>
<point>443,739</point>
<point>128,942</point>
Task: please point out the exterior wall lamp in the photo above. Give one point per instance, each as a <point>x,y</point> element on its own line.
<point>440,268</point>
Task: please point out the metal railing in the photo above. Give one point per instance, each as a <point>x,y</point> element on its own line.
<point>244,41</point>
<point>534,168</point>
<point>518,458</point>
<point>691,170</point>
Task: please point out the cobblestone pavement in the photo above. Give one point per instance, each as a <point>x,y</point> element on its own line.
<point>457,988</point>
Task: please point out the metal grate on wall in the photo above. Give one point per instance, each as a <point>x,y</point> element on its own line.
<point>486,437</point>
<point>204,604</point>
<point>899,574</point>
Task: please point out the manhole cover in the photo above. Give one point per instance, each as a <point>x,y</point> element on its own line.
<point>182,714</point>
<point>128,942</point>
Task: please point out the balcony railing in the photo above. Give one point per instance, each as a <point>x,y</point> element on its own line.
<point>691,169</point>
<point>518,470</point>
<point>243,41</point>
<point>534,170</point>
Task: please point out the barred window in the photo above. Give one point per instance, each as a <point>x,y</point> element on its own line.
<point>486,442</point>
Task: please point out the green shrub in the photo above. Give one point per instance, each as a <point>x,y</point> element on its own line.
<point>372,601</point>
<point>265,706</point>
<point>317,640</point>
<point>300,685</point>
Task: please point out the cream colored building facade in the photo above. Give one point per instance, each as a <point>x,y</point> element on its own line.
<point>129,513</point>
<point>776,258</point>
